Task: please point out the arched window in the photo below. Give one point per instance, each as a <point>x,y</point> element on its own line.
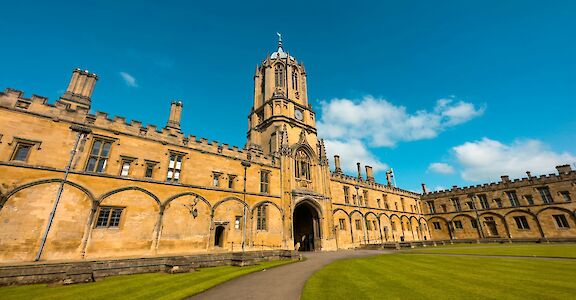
<point>294,79</point>
<point>279,75</point>
<point>302,169</point>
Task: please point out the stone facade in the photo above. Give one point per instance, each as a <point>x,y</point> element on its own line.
<point>128,190</point>
<point>532,208</point>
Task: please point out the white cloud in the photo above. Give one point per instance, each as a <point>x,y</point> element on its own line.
<point>351,152</point>
<point>382,124</point>
<point>439,188</point>
<point>129,79</point>
<point>441,168</point>
<point>488,159</point>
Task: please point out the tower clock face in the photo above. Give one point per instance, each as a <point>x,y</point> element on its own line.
<point>298,114</point>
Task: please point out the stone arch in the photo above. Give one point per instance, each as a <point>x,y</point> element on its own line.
<point>396,227</point>
<point>385,227</point>
<point>425,229</point>
<point>344,235</point>
<point>273,236</point>
<point>24,214</point>
<point>186,221</point>
<point>407,233</point>
<point>310,201</point>
<point>415,227</point>
<point>307,225</point>
<point>550,226</point>
<point>532,232</point>
<point>467,231</point>
<point>444,233</point>
<point>357,234</point>
<point>139,228</point>
<point>488,229</point>
<point>374,234</point>
<point>226,200</point>
<point>224,212</point>
<point>9,194</point>
<point>129,188</point>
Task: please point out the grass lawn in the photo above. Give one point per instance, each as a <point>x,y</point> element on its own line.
<point>549,250</point>
<point>140,286</point>
<point>407,276</point>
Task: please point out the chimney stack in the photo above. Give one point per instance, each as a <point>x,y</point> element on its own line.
<point>359,171</point>
<point>389,177</point>
<point>563,169</point>
<point>529,174</point>
<point>338,169</point>
<point>424,189</point>
<point>80,88</point>
<point>505,178</point>
<point>175,113</point>
<point>369,173</point>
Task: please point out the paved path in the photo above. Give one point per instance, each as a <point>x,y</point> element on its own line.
<point>285,282</point>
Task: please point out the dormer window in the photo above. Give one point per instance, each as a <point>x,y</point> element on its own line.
<point>302,169</point>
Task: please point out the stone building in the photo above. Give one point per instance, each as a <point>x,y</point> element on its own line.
<point>532,208</point>
<point>77,185</point>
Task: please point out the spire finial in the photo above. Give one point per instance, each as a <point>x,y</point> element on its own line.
<point>279,39</point>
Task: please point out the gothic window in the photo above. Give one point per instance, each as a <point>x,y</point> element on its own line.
<point>264,181</point>
<point>294,79</point>
<point>261,218</point>
<point>109,217</point>
<point>521,222</point>
<point>545,194</point>
<point>513,198</point>
<point>484,201</point>
<point>279,75</point>
<point>125,167</point>
<point>342,224</point>
<point>174,167</point>
<point>149,172</point>
<point>346,194</point>
<point>302,169</point>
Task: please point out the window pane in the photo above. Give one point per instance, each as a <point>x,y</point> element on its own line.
<point>21,152</point>
<point>91,164</point>
<point>149,170</point>
<point>125,169</point>
<point>115,218</point>
<point>106,149</point>
<point>103,217</point>
<point>96,147</point>
<point>101,165</point>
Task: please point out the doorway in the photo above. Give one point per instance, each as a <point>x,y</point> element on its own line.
<point>306,224</point>
<point>219,236</point>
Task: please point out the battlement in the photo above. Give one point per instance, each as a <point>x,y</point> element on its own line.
<point>339,176</point>
<point>60,111</point>
<point>565,172</point>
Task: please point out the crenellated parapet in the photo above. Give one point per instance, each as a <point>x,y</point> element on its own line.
<point>15,100</point>
<point>565,173</point>
<point>352,180</point>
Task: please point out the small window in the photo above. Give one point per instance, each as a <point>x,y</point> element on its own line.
<point>358,225</point>
<point>378,202</point>
<point>437,225</point>
<point>474,223</point>
<point>237,222</point>
<point>231,179</point>
<point>444,208</point>
<point>458,224</point>
<point>403,204</point>
<point>342,223</point>
<point>513,198</point>
<point>561,221</point>
<point>261,217</point>
<point>346,194</point>
<point>125,167</point>
<point>149,172</point>
<point>22,151</point>
<point>109,217</point>
<point>529,199</point>
<point>396,205</point>
<point>470,205</point>
<point>431,206</point>
<point>264,181</point>
<point>456,204</point>
<point>374,225</point>
<point>368,225</point>
<point>566,196</point>
<point>393,225</point>
<point>216,179</point>
<point>174,167</point>
<point>498,202</point>
<point>99,155</point>
<point>484,201</point>
<point>545,194</point>
<point>365,198</point>
<point>521,222</point>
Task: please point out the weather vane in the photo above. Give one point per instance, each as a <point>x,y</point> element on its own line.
<point>279,36</point>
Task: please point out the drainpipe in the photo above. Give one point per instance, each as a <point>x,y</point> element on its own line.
<point>245,164</point>
<point>82,132</point>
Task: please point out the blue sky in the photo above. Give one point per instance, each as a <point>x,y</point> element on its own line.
<point>454,92</point>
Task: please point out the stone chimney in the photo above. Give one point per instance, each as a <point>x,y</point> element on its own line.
<point>389,177</point>
<point>338,169</point>
<point>359,171</point>
<point>505,178</point>
<point>175,113</point>
<point>80,88</point>
<point>563,169</point>
<point>424,189</point>
<point>529,174</point>
<point>369,173</point>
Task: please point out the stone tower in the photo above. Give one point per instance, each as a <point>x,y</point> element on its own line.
<point>283,124</point>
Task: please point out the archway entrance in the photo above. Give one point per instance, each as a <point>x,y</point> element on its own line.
<point>219,236</point>
<point>306,224</point>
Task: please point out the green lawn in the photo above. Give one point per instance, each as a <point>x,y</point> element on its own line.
<point>140,286</point>
<point>408,276</point>
<point>548,250</point>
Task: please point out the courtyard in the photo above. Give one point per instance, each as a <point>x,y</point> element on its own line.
<point>472,271</point>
